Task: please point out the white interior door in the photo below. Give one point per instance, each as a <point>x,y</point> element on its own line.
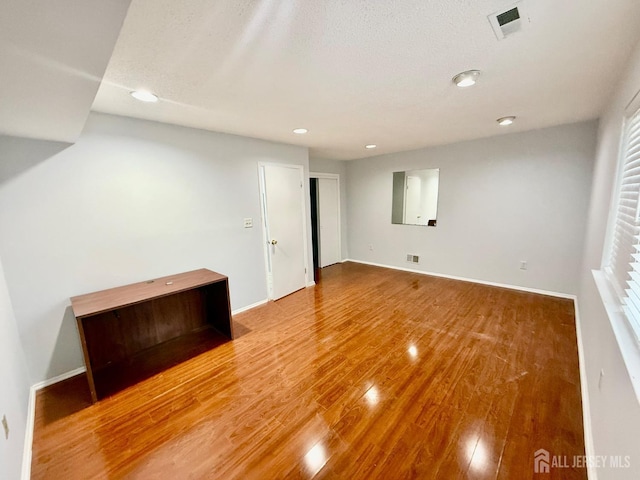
<point>284,228</point>
<point>329,220</point>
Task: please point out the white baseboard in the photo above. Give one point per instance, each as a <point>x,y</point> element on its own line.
<point>31,416</point>
<point>465,279</point>
<point>249,307</point>
<point>28,436</point>
<point>58,378</point>
<point>311,284</point>
<point>589,449</point>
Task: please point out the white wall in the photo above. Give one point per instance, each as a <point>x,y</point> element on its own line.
<point>501,200</point>
<point>131,200</point>
<point>615,410</point>
<point>15,388</point>
<point>321,165</point>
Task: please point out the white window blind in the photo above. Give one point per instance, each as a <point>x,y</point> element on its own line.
<point>623,268</point>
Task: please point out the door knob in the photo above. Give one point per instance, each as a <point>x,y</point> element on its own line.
<point>274,242</point>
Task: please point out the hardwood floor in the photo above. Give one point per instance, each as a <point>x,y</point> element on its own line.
<point>374,373</point>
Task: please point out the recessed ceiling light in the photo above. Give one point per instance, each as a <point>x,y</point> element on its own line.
<point>370,146</point>
<point>300,131</point>
<point>144,96</point>
<point>504,121</point>
<point>466,79</point>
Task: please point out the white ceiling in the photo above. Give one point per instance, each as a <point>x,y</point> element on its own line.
<point>352,72</point>
<point>53,55</point>
<point>357,72</point>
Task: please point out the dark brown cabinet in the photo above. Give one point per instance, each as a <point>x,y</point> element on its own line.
<point>132,332</point>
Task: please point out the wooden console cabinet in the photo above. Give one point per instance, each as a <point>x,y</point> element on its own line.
<point>132,332</point>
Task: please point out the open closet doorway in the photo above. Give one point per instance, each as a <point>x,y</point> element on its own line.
<point>325,221</point>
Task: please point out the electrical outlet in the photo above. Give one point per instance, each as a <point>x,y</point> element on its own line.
<point>5,425</point>
<point>371,247</point>
<point>248,223</point>
<point>523,264</point>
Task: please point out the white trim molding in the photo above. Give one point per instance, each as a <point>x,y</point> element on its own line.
<point>465,279</point>
<point>589,448</point>
<point>249,307</point>
<point>59,378</point>
<point>31,416</point>
<point>325,175</point>
<point>28,436</point>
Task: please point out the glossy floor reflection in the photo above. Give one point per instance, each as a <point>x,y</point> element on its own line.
<point>374,373</point>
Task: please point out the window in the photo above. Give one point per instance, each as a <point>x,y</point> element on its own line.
<point>623,265</point>
<point>619,280</point>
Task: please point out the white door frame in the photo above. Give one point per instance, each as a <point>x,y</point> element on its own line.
<point>337,177</point>
<point>265,232</point>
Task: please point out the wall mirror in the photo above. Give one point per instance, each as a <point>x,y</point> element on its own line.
<point>415,197</point>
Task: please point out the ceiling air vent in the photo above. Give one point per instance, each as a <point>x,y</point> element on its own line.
<point>507,22</point>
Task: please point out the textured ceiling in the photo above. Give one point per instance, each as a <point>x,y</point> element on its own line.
<point>360,71</point>
<point>52,58</point>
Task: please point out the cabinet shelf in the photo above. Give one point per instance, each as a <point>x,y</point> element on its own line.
<point>151,361</point>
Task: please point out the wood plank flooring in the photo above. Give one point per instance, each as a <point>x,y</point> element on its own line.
<point>373,373</point>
